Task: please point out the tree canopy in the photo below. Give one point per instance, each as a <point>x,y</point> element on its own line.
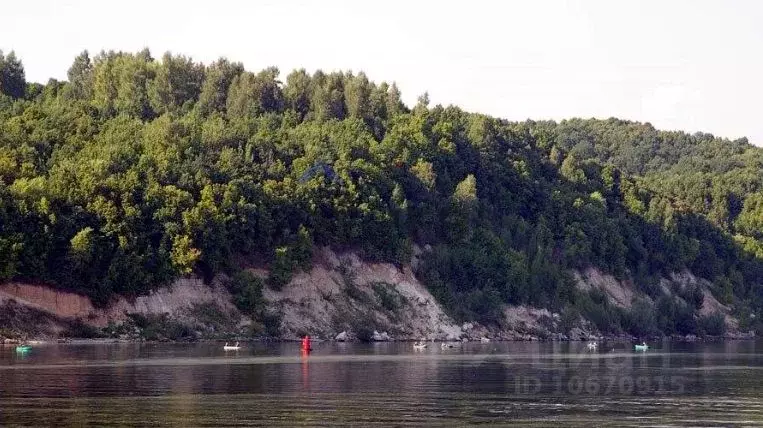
<point>138,170</point>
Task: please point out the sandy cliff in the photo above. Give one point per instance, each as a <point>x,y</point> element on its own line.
<point>340,295</point>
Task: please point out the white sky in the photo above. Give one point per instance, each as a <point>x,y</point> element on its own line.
<point>689,65</point>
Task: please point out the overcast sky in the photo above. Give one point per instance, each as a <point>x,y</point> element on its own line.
<point>689,65</point>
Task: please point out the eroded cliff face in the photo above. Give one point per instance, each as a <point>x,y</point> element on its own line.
<point>342,293</point>
<point>340,296</point>
<point>56,311</point>
<point>174,300</point>
<point>623,292</point>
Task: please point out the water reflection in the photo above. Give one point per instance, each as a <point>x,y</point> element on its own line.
<point>385,383</point>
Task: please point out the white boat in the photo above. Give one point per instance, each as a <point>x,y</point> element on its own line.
<point>484,340</point>
<point>227,347</point>
<point>592,346</point>
<point>642,347</point>
<point>419,346</point>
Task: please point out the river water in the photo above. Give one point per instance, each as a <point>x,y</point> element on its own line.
<point>383,384</point>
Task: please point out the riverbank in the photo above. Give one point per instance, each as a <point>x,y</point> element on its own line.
<point>605,338</point>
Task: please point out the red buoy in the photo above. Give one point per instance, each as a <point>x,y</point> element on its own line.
<point>306,346</point>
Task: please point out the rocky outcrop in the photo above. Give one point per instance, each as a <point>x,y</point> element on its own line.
<point>342,293</point>
<point>620,293</point>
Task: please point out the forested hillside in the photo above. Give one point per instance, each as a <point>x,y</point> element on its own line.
<point>139,170</point>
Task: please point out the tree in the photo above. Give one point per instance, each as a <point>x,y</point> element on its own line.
<point>328,96</point>
<point>81,76</point>
<point>12,79</point>
<point>218,78</point>
<point>394,104</point>
<point>750,220</point>
<point>358,97</point>
<point>104,83</point>
<point>297,92</point>
<point>252,95</point>
<point>178,82</point>
<point>132,74</point>
<point>463,210</point>
<point>572,169</point>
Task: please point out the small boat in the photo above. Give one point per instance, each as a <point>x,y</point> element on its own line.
<point>419,346</point>
<point>592,346</point>
<point>227,347</point>
<point>642,347</point>
<point>449,345</point>
<point>23,348</point>
<point>484,340</point>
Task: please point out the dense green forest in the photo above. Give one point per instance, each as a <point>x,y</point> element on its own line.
<point>138,170</point>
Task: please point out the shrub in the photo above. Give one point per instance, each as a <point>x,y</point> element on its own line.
<point>713,325</point>
<point>161,327</point>
<point>595,307</point>
<point>80,330</point>
<point>353,292</point>
<point>281,270</point>
<point>246,289</point>
<point>388,297</point>
<point>272,323</point>
<point>483,305</point>
<point>364,334</point>
<point>570,318</point>
<point>641,319</point>
<point>675,317</point>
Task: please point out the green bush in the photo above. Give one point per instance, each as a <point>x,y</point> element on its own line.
<point>246,289</point>
<point>272,323</point>
<point>161,327</point>
<point>640,321</point>
<point>355,293</point>
<point>713,325</point>
<point>79,330</point>
<point>570,318</point>
<point>389,298</point>
<point>675,316</point>
<point>281,270</point>
<point>595,307</point>
<point>364,334</point>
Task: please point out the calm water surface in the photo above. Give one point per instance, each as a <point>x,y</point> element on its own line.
<point>386,384</point>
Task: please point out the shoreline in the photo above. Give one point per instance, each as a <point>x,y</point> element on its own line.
<point>605,339</point>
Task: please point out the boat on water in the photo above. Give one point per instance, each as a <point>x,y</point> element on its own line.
<point>642,347</point>
<point>419,346</point>
<point>235,347</point>
<point>23,348</point>
<point>484,340</point>
<point>592,346</point>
